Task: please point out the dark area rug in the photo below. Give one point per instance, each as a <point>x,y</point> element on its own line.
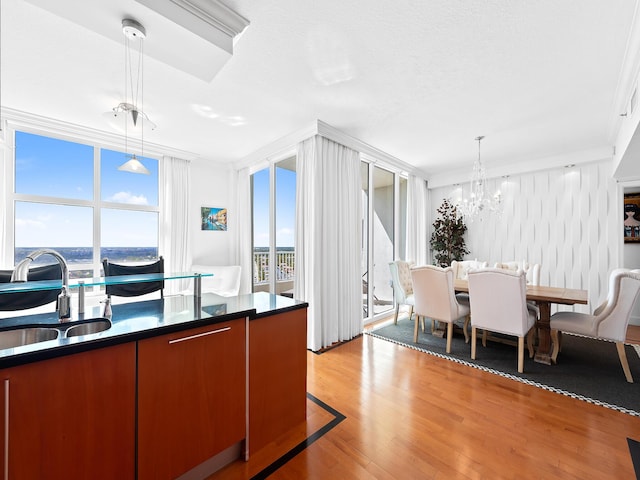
<point>587,369</point>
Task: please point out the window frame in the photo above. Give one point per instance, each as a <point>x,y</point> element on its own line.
<point>9,197</point>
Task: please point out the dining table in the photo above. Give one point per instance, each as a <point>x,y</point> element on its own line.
<point>543,296</point>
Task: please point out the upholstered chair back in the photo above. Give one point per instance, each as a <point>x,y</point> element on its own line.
<point>461,268</point>
<point>498,301</point>
<point>401,279</point>
<point>612,317</point>
<point>224,282</point>
<point>434,293</point>
<point>531,270</point>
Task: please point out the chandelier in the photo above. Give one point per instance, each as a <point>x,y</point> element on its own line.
<point>479,201</point>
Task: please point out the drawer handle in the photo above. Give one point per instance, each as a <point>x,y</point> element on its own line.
<point>204,334</point>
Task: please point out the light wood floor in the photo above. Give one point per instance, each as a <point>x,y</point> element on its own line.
<point>411,415</point>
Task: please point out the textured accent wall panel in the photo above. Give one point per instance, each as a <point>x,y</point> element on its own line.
<point>562,219</point>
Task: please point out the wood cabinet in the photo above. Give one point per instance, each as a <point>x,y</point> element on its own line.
<point>277,376</point>
<point>191,397</point>
<point>71,416</point>
<point>158,407</point>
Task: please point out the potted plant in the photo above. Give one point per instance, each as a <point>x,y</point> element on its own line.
<point>447,239</point>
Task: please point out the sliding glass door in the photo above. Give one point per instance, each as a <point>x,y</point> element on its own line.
<point>274,194</point>
<point>382,227</point>
<point>384,206</point>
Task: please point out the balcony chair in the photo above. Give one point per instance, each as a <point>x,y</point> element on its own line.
<point>224,282</point>
<point>608,322</point>
<point>402,286</point>
<point>498,304</point>
<point>25,300</point>
<point>133,289</point>
<point>435,298</point>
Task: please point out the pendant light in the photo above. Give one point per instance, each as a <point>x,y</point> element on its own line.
<point>131,110</point>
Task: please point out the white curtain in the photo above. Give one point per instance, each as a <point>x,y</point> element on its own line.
<point>417,220</point>
<point>175,208</point>
<point>4,152</point>
<point>241,227</point>
<point>328,234</point>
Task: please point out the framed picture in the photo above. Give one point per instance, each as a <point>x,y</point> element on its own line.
<point>632,217</point>
<point>213,218</point>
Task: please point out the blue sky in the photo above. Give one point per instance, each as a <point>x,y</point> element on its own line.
<point>62,169</point>
<point>285,207</point>
<point>57,168</point>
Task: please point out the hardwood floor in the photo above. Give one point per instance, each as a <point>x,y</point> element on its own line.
<point>633,334</point>
<point>411,415</point>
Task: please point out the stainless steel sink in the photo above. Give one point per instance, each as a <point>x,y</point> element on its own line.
<point>94,326</point>
<point>25,336</point>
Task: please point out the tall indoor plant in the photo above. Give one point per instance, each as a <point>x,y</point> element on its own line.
<point>447,239</point>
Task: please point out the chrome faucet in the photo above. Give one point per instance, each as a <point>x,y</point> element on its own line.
<point>107,313</point>
<point>64,299</point>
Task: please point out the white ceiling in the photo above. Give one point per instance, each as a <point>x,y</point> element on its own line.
<point>418,80</point>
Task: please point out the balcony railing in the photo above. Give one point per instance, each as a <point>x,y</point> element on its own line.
<point>284,269</point>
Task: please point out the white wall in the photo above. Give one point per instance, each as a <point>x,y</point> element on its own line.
<point>564,218</point>
<point>211,186</point>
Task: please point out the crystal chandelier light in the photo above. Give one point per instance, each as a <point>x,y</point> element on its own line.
<point>479,201</point>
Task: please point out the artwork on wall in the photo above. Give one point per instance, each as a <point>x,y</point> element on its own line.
<point>213,218</point>
<point>632,217</point>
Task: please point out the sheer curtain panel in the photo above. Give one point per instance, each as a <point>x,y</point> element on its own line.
<point>175,208</point>
<point>242,246</point>
<point>417,220</point>
<point>328,236</point>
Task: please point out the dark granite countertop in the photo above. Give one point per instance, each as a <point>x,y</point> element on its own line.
<point>138,320</point>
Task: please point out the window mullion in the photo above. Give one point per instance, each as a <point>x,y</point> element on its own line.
<point>97,212</point>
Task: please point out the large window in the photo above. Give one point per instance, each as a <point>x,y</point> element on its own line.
<point>71,197</point>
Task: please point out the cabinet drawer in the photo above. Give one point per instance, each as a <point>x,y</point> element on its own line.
<point>191,397</point>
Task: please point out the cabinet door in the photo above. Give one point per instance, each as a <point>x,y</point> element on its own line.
<point>71,417</point>
<point>277,376</point>
<point>191,397</point>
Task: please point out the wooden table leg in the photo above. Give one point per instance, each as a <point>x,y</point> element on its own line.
<point>543,352</point>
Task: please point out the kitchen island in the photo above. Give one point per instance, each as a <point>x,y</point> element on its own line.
<point>175,388</point>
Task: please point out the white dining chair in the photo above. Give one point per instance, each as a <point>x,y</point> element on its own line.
<point>435,298</point>
<point>461,268</point>
<point>531,270</point>
<point>498,301</point>
<point>402,286</point>
<point>608,322</point>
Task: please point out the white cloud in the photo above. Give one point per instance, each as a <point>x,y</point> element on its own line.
<point>127,197</point>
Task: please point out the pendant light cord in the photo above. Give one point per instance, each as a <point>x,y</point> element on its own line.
<point>126,96</point>
<point>136,88</point>
<point>141,86</point>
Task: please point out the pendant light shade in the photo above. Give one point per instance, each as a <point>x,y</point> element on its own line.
<point>133,165</point>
